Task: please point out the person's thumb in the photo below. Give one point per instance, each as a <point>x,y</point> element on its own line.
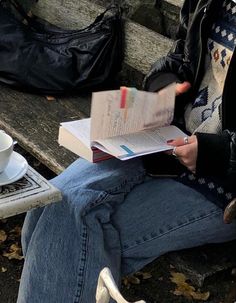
<point>182,88</point>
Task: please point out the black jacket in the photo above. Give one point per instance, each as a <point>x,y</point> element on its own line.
<point>185,62</point>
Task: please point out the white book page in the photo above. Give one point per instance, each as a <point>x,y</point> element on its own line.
<point>113,114</point>
<point>145,142</point>
<point>79,129</point>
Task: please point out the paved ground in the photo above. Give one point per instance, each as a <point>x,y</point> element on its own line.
<point>163,281</point>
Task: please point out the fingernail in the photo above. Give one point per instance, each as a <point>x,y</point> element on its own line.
<point>169,141</point>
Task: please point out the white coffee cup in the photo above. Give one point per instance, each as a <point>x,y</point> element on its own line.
<point>6,149</point>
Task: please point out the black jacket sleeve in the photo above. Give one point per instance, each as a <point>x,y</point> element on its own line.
<point>217,156</point>
<point>173,67</point>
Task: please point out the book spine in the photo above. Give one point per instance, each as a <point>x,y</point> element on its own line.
<point>99,155</point>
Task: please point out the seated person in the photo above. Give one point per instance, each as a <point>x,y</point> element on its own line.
<point>114,214</point>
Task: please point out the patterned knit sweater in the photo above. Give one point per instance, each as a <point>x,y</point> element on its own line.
<point>204,114</point>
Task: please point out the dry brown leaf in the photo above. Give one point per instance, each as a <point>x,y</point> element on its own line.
<point>185,289</point>
<point>16,231</point>
<point>3,269</point>
<point>133,280</point>
<point>3,236</point>
<point>127,281</point>
<point>201,296</point>
<point>50,98</point>
<point>143,275</point>
<point>14,253</point>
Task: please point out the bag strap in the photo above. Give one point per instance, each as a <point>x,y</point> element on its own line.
<point>109,8</point>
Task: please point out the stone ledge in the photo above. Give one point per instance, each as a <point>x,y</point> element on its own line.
<point>202,263</point>
<point>143,46</point>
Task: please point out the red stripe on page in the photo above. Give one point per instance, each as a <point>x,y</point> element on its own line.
<point>123,96</point>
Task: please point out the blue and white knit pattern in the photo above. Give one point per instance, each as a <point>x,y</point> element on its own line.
<point>203,115</point>
<point>209,187</point>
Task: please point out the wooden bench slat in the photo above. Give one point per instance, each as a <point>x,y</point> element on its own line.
<point>34,122</point>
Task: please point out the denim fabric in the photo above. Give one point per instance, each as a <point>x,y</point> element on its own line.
<point>112,215</point>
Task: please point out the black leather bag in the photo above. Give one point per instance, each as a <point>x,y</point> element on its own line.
<point>49,60</point>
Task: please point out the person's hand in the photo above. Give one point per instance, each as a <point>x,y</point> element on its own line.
<point>182,88</point>
<point>185,149</point>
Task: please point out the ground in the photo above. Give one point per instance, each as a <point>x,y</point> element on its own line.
<point>159,282</point>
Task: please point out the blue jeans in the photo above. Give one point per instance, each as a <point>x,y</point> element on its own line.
<point>112,215</point>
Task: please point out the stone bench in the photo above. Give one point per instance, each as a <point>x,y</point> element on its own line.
<point>142,46</point>
<point>158,15</point>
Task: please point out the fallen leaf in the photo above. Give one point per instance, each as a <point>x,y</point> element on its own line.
<point>50,98</point>
<point>185,289</point>
<point>127,281</point>
<point>143,275</point>
<point>3,269</point>
<point>16,231</point>
<point>133,280</point>
<point>14,253</point>
<point>3,236</point>
<point>136,278</point>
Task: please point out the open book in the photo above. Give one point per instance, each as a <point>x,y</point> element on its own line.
<point>124,123</point>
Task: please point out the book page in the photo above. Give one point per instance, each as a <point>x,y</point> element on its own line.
<point>119,112</point>
<point>145,142</point>
<point>80,129</point>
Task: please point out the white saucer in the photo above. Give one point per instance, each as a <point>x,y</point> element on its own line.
<point>15,170</point>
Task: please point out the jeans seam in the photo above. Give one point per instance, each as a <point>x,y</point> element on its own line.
<point>83,259</point>
<point>117,187</point>
<point>100,199</point>
<point>112,191</point>
<point>173,229</point>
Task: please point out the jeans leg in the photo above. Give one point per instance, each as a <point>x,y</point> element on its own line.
<point>69,242</point>
<point>110,216</point>
<point>163,215</point>
<point>31,220</point>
